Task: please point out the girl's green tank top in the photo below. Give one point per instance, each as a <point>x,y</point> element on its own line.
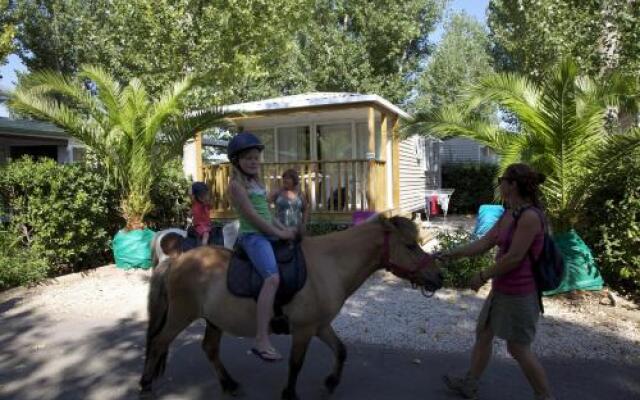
<point>258,199</point>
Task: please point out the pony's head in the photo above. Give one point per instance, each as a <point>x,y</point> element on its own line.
<point>403,256</point>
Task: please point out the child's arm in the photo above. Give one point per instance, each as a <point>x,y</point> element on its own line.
<point>205,238</point>
<point>240,198</point>
<point>273,195</point>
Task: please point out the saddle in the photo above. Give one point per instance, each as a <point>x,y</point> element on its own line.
<point>244,281</point>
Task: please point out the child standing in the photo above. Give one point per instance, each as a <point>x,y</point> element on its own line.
<point>249,197</point>
<point>200,211</point>
<point>292,209</point>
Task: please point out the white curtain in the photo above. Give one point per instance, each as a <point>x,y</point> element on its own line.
<point>293,144</point>
<point>267,138</point>
<point>362,140</point>
<point>334,142</point>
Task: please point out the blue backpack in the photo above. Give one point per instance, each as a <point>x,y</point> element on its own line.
<point>548,269</point>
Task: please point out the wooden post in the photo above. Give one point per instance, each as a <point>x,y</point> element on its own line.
<point>395,154</point>
<point>372,131</point>
<point>383,203</point>
<point>371,188</point>
<point>198,155</point>
<point>383,136</point>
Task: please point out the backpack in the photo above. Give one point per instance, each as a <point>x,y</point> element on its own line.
<point>548,268</point>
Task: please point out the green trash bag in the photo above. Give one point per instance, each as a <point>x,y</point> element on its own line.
<point>132,249</point>
<point>581,271</point>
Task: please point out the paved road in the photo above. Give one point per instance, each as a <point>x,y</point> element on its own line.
<point>43,359</point>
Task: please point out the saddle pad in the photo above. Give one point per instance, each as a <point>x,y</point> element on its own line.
<point>244,281</point>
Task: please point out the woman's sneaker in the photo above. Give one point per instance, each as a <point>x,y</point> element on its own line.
<point>466,386</point>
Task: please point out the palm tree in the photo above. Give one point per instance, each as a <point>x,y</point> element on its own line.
<point>562,130</point>
<point>130,133</point>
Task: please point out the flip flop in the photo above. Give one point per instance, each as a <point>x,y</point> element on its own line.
<point>266,355</point>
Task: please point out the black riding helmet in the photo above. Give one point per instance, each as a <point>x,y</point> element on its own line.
<point>241,142</point>
<point>198,188</point>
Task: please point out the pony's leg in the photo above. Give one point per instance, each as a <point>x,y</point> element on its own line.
<point>211,346</point>
<point>299,345</point>
<point>328,336</point>
<point>158,348</point>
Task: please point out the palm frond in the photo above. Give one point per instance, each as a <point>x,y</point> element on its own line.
<point>41,107</point>
<point>108,90</point>
<point>54,84</point>
<point>168,105</point>
<point>178,130</point>
<point>514,93</point>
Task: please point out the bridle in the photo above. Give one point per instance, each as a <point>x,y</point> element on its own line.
<point>410,274</point>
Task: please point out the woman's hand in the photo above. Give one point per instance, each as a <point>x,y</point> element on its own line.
<point>286,234</point>
<point>477,281</point>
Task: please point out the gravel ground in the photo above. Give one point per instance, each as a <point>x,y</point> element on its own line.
<point>384,311</point>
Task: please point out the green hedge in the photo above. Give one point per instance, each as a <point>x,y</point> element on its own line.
<point>64,213</point>
<point>473,183</point>
<point>19,265</point>
<point>60,218</point>
<point>612,227</point>
<point>323,228</point>
<point>170,196</point>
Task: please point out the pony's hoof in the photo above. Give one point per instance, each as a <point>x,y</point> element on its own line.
<point>232,388</point>
<point>289,395</point>
<point>145,393</point>
<point>331,383</point>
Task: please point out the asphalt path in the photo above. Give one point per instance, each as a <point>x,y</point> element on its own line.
<point>66,359</point>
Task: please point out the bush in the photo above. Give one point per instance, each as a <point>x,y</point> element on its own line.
<point>65,214</point>
<point>19,265</point>
<point>473,183</point>
<point>458,273</point>
<point>613,228</point>
<point>170,196</point>
<point>323,228</point>
<point>63,217</point>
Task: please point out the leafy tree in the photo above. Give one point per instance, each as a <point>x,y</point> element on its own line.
<point>7,31</point>
<point>530,36</point>
<point>460,59</point>
<point>562,130</point>
<point>247,49</point>
<point>156,40</point>
<point>131,133</point>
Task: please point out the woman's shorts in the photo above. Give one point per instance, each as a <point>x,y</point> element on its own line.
<point>258,248</point>
<point>510,317</point>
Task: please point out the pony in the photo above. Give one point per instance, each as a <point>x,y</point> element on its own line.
<point>186,286</point>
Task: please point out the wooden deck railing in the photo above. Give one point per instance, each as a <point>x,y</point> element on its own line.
<point>334,187</point>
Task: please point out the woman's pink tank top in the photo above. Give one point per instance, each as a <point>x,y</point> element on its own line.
<point>519,280</point>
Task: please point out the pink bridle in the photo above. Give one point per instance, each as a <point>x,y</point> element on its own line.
<point>424,262</point>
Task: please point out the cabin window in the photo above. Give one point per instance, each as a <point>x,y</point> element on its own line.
<point>293,144</point>
<point>267,138</point>
<point>334,142</point>
<point>362,140</point>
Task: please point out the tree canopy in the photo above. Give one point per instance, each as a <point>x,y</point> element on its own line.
<point>461,58</point>
<point>530,36</point>
<point>7,31</point>
<point>247,49</point>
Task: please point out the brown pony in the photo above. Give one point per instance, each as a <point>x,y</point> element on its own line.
<point>192,285</point>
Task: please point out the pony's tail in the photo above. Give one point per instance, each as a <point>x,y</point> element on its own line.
<point>157,308</point>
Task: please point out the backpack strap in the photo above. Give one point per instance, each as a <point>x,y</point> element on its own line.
<point>544,231</point>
